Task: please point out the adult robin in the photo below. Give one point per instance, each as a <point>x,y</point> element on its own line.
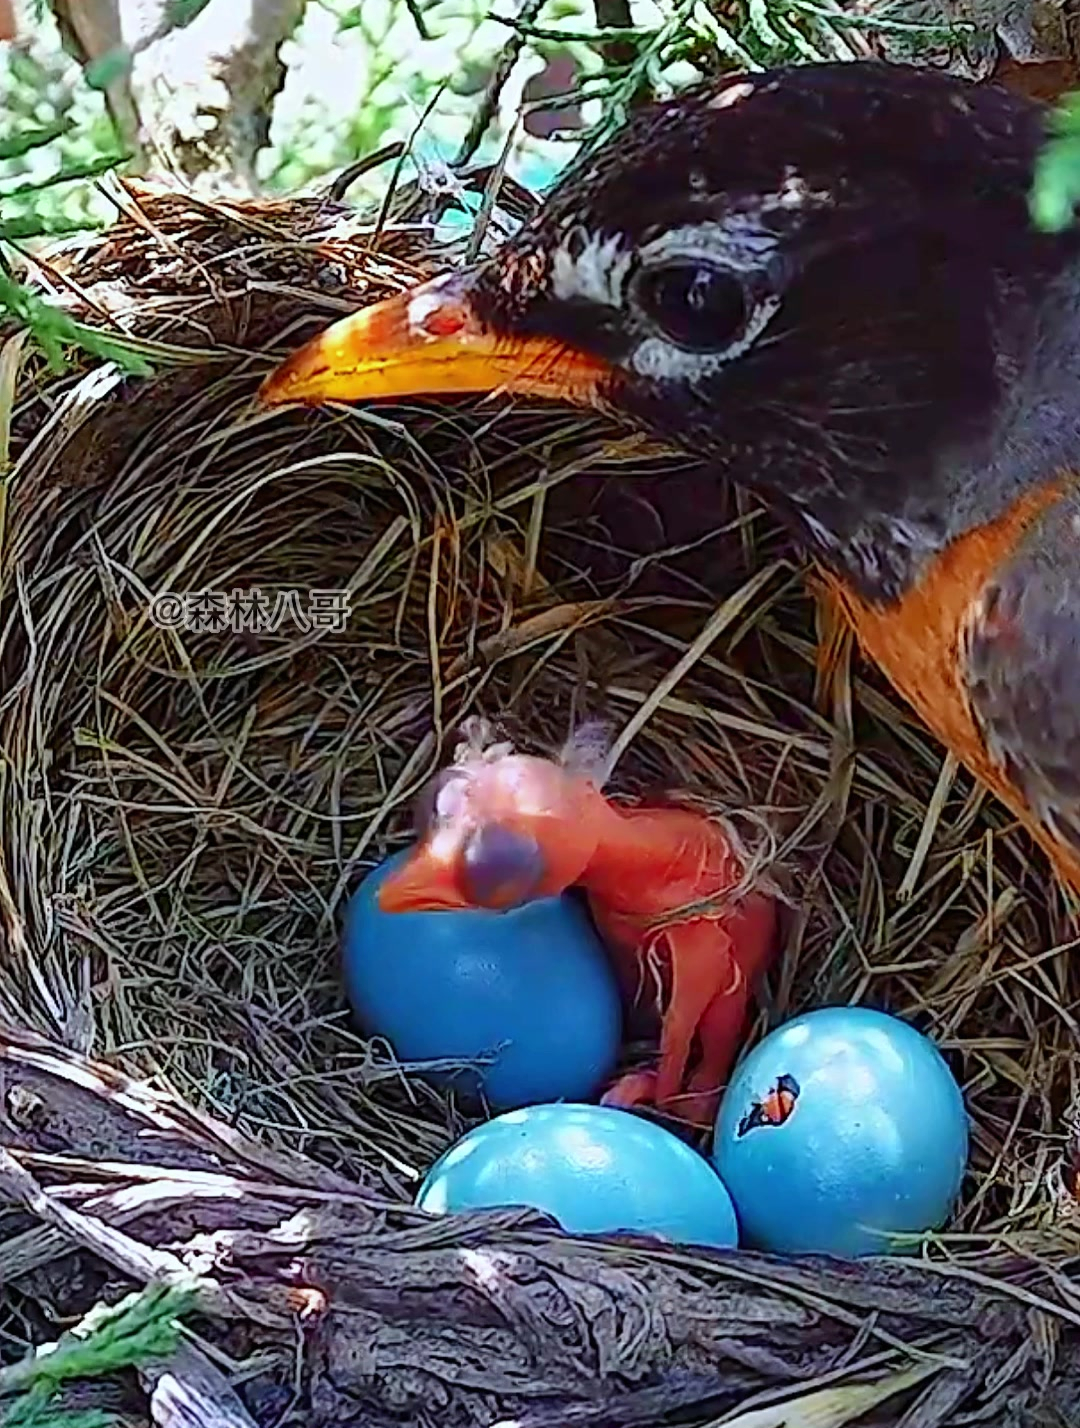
<point>826,281</point>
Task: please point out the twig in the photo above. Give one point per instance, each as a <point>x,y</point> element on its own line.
<point>487,206</point>
<point>342,182</point>
<point>188,1391</point>
<point>417,17</point>
<point>133,1258</point>
<point>489,104</point>
<point>399,165</point>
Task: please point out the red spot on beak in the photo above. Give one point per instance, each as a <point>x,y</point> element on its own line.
<point>429,341</point>
<point>445,321</point>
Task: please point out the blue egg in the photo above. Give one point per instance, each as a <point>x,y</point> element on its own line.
<point>867,1139</point>
<point>530,990</point>
<point>595,1169</point>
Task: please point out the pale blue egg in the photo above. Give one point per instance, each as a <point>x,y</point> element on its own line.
<point>531,991</point>
<point>874,1142</point>
<point>595,1169</point>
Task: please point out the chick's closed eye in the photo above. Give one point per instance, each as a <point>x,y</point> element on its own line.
<point>501,866</point>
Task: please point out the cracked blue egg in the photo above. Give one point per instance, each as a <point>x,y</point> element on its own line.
<point>842,1130</point>
<point>523,1005</point>
<point>594,1169</point>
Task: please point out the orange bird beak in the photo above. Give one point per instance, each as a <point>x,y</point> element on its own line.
<point>423,883</point>
<point>429,341</point>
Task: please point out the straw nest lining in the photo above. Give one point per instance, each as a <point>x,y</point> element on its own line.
<point>183,812</point>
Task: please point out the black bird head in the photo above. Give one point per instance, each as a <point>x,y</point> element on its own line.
<point>825,279</point>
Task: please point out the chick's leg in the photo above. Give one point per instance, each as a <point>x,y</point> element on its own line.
<point>636,1088</point>
<point>751,933</point>
<point>703,969</point>
<point>719,1036</point>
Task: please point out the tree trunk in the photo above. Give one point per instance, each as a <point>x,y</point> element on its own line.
<point>195,99</point>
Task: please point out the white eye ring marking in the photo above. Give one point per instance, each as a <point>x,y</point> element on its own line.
<point>596,268</point>
<point>738,239</point>
<point>746,250</point>
<point>597,273</point>
<point>744,245</point>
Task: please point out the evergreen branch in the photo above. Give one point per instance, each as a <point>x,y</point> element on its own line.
<point>52,329</point>
<point>141,1328</point>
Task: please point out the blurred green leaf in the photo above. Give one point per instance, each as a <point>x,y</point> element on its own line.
<point>180,13</point>
<point>16,145</point>
<point>53,329</point>
<point>92,169</point>
<point>108,68</point>
<point>21,67</point>
<point>38,225</point>
<point>1056,188</point>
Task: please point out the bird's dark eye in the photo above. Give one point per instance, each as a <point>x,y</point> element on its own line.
<point>500,867</point>
<point>438,800</point>
<point>694,305</point>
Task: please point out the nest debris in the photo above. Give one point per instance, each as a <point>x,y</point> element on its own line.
<point>183,812</point>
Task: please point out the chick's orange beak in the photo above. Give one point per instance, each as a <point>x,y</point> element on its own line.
<point>429,341</point>
<point>423,883</point>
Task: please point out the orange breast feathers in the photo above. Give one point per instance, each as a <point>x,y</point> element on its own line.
<point>918,644</point>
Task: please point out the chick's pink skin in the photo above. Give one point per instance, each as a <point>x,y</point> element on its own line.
<point>638,866</point>
<point>564,812</point>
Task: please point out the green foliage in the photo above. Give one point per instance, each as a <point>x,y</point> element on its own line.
<point>361,74</point>
<point>108,68</point>
<point>55,138</point>
<point>691,39</point>
<point>1056,189</point>
<point>53,329</point>
<point>139,1329</point>
<point>181,13</point>
<point>55,135</point>
<point>17,146</point>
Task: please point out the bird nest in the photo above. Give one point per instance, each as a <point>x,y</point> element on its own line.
<point>184,809</point>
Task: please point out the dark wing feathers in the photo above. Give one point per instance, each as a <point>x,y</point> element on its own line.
<point>1023,667</point>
